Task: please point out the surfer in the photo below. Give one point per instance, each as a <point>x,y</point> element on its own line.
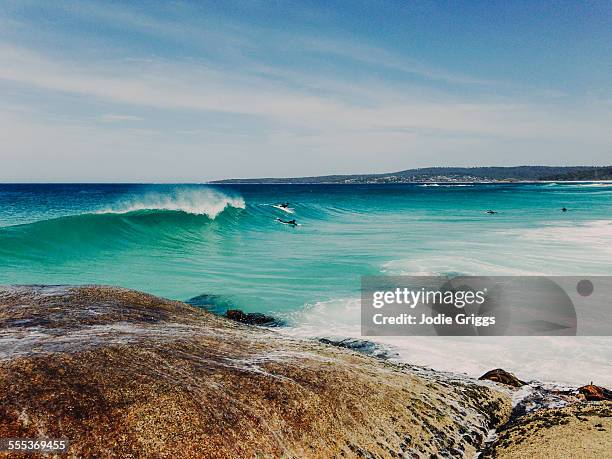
<point>287,222</point>
<point>491,211</point>
<point>284,206</point>
<point>563,209</point>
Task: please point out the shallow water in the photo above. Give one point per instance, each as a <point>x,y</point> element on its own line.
<point>184,241</point>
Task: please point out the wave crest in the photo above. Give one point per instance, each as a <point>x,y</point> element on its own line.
<point>198,201</point>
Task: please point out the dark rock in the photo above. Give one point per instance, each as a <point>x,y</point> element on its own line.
<point>222,306</point>
<point>363,346</point>
<point>252,318</point>
<point>216,304</point>
<point>502,376</point>
<point>595,393</point>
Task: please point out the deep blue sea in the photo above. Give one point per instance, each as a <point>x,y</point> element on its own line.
<point>181,241</point>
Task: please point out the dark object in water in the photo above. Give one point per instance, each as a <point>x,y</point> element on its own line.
<point>563,209</point>
<point>490,211</point>
<point>502,376</point>
<point>363,346</point>
<point>223,307</point>
<point>595,393</point>
<point>287,222</point>
<point>252,318</point>
<point>210,302</point>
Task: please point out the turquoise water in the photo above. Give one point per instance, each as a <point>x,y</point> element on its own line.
<point>188,240</point>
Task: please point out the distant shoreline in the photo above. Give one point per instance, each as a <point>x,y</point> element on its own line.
<point>492,182</point>
<point>249,182</point>
<point>459,175</point>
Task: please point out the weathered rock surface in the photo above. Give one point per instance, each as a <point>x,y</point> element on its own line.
<point>252,318</point>
<point>125,374</point>
<point>581,430</point>
<point>503,377</point>
<point>594,393</point>
<point>362,346</point>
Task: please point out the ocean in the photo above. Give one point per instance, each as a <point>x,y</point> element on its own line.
<point>225,242</point>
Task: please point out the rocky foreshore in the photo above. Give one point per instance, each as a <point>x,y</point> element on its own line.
<point>550,421</point>
<point>125,374</point>
<point>580,430</point>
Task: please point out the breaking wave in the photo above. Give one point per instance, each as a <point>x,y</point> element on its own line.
<point>201,201</point>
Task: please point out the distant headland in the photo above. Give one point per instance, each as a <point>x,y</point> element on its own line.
<point>453,174</point>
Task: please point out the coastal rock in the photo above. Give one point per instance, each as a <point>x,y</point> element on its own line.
<point>212,303</point>
<point>536,396</point>
<point>502,376</point>
<point>362,346</point>
<point>124,374</point>
<point>222,306</point>
<point>581,430</point>
<point>594,393</point>
<point>252,318</point>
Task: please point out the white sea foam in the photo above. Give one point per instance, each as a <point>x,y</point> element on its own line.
<point>594,185</point>
<point>335,318</point>
<point>561,359</point>
<point>197,201</point>
<point>579,249</point>
<point>583,248</point>
<point>452,264</point>
<point>594,235</point>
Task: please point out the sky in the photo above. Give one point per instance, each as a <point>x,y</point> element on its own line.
<point>177,91</point>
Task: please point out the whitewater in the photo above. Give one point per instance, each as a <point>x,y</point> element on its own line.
<point>225,245</point>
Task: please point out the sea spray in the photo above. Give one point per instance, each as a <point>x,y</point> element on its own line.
<point>197,201</point>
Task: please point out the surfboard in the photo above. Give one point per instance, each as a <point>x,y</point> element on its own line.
<point>289,210</point>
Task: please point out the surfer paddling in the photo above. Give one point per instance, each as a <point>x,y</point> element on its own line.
<point>287,222</point>
<point>490,212</point>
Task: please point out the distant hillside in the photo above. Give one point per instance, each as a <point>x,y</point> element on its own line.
<point>452,174</point>
<point>597,173</point>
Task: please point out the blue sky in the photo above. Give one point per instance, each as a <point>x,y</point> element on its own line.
<point>193,91</point>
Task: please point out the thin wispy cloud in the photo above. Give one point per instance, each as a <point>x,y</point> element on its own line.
<point>267,99</point>
<point>176,86</point>
<point>384,59</point>
<point>115,117</point>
